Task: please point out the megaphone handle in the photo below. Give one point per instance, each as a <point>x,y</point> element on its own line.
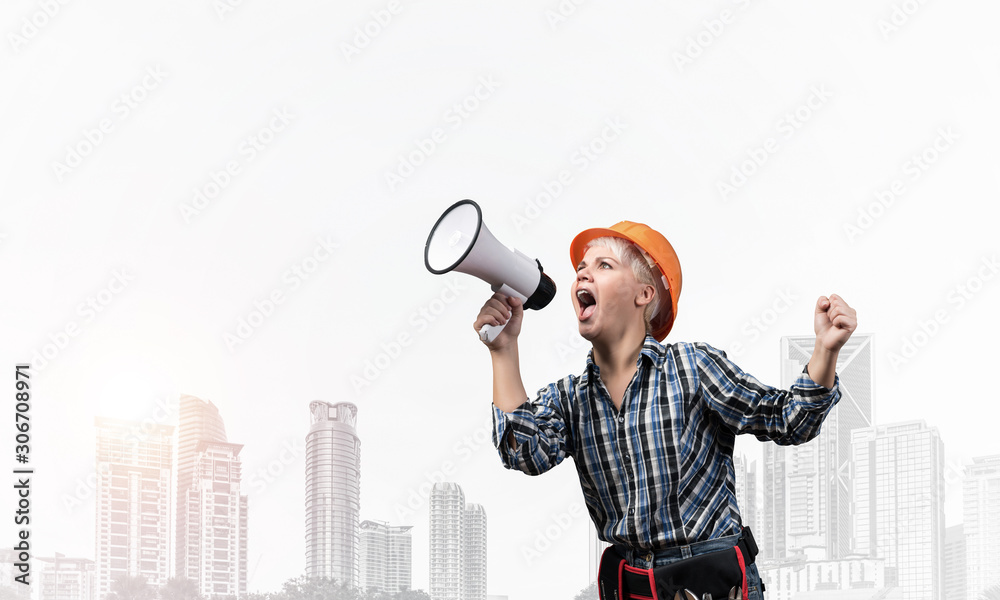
<point>488,333</point>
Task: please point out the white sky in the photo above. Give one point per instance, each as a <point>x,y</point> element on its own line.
<point>877,99</point>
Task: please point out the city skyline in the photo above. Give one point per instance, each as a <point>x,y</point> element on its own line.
<point>131,442</point>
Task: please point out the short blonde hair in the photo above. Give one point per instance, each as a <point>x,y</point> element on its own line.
<point>627,253</point>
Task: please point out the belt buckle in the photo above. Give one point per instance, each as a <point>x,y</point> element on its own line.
<point>649,559</point>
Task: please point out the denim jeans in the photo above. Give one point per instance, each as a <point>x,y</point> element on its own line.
<point>669,555</point>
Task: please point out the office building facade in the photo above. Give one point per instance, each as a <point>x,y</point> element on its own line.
<point>899,504</point>
<point>981,523</point>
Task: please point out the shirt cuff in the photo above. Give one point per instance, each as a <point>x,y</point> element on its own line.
<point>520,422</point>
<point>815,392</point>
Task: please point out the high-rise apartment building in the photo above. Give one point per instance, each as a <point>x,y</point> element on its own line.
<point>447,560</point>
<point>457,545</point>
<point>981,523</point>
<point>475,552</point>
<point>63,578</point>
<point>899,504</point>
<point>333,492</point>
<point>386,556</point>
<point>211,536</point>
<point>134,472</point>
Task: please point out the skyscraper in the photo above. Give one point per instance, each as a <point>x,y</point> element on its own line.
<point>134,472</point>
<point>333,492</point>
<point>807,488</point>
<point>899,504</point>
<point>955,570</point>
<point>211,512</point>
<point>399,571</point>
<point>457,545</point>
<point>981,523</point>
<point>447,561</point>
<point>772,538</point>
<point>386,556</point>
<point>475,552</point>
<point>746,491</point>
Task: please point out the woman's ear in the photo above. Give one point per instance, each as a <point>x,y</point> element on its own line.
<point>645,295</point>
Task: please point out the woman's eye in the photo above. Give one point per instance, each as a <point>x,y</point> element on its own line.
<point>604,264</point>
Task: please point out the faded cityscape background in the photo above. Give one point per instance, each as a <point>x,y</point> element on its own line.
<point>245,384</point>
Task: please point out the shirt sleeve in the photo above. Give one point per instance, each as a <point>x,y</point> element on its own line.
<point>786,417</point>
<point>539,429</point>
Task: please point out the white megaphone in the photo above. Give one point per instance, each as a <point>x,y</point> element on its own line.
<point>460,241</point>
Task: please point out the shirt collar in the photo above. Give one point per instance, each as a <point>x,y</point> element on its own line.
<point>652,350</point>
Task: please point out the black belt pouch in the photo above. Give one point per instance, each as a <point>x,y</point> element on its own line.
<point>714,573</point>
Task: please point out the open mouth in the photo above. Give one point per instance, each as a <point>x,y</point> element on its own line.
<point>587,302</point>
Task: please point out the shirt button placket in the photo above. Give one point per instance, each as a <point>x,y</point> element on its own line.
<point>623,441</point>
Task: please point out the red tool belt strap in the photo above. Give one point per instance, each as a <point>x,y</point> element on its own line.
<point>714,573</point>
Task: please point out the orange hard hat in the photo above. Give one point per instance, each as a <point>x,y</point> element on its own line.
<point>658,249</point>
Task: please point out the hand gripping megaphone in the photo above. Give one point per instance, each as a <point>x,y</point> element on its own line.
<point>460,241</point>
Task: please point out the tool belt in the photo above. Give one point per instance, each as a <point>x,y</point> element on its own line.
<point>715,573</point>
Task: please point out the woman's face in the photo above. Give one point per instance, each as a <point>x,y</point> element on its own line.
<point>606,296</point>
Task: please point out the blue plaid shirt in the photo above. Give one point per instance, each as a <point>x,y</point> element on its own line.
<point>660,472</point>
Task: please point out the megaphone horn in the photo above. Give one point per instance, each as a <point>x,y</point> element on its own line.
<point>460,241</point>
